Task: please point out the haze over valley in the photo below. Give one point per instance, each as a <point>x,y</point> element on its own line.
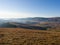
<point>39,23</point>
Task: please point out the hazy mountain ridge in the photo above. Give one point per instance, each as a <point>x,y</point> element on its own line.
<point>31,23</point>
<point>36,20</point>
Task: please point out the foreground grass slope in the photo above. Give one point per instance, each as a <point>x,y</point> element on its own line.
<point>19,36</point>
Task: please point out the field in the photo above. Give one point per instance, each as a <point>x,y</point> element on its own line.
<point>19,36</point>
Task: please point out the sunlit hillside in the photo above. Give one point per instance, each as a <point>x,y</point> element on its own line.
<point>21,36</point>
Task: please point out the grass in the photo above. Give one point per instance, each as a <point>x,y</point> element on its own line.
<point>19,36</point>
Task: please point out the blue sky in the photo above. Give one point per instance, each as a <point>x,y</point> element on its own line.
<point>29,8</point>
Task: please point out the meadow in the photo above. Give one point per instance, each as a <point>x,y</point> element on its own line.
<point>20,36</point>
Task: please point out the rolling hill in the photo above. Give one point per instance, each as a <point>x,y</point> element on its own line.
<point>38,23</point>
<point>20,36</point>
<point>30,31</point>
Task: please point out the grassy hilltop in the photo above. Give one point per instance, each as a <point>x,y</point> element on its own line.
<point>20,36</point>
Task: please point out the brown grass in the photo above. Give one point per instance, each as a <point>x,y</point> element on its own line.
<point>19,36</point>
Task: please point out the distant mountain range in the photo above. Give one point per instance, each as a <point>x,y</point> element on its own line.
<point>31,23</point>
<point>35,20</point>
<point>32,20</point>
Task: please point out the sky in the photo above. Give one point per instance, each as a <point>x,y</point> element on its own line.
<point>29,8</point>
